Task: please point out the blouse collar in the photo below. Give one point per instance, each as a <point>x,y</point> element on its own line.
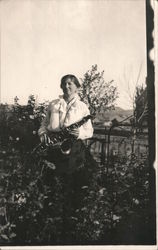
<point>76,97</point>
<point>64,105</point>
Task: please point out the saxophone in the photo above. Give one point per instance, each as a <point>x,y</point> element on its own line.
<point>63,139</point>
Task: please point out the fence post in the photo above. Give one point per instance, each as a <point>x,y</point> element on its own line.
<point>151,115</point>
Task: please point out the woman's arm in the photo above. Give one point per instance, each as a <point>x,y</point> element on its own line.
<point>86,130</point>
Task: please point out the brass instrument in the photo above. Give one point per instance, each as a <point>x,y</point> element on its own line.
<point>63,138</point>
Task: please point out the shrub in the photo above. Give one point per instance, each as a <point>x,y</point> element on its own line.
<point>35,211</point>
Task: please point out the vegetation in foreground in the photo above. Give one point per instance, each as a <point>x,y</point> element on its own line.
<point>114,208</point>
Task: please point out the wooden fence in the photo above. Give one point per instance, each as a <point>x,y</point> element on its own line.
<point>106,143</point>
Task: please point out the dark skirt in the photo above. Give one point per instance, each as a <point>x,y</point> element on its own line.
<point>75,173</point>
<point>76,168</point>
<point>69,163</point>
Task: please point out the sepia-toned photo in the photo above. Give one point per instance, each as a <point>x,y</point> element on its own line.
<point>77,123</point>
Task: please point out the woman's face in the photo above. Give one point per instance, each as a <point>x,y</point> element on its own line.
<point>69,88</point>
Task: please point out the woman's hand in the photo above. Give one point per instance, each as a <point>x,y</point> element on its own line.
<point>74,132</point>
<point>45,139</point>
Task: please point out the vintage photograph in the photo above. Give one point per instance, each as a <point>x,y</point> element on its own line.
<point>77,123</point>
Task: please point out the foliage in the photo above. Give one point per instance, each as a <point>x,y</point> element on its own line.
<point>35,202</point>
<point>140,104</point>
<point>97,93</point>
<point>117,205</point>
<point>20,124</point>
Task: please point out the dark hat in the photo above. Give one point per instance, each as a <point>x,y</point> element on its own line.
<point>72,77</point>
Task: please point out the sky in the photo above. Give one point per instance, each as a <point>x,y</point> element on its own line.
<point>43,40</point>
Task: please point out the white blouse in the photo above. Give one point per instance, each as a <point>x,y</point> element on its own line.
<point>60,115</point>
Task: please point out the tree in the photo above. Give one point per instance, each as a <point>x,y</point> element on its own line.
<point>140,104</point>
<point>97,93</point>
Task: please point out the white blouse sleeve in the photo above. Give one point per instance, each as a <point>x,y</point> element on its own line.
<point>86,130</point>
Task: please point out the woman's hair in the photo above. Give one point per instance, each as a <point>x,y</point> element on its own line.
<point>72,78</point>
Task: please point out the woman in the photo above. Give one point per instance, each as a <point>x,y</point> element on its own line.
<point>62,112</point>
<point>74,170</point>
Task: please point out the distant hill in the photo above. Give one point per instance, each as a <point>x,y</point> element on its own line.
<point>118,113</point>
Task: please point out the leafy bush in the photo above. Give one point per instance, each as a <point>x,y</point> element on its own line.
<point>35,203</point>
<point>96,92</point>
<point>116,205</point>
